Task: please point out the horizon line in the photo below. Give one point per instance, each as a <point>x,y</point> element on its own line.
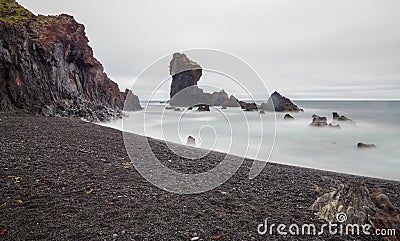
<point>163,100</point>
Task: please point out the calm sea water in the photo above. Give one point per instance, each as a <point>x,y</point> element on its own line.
<point>268,137</point>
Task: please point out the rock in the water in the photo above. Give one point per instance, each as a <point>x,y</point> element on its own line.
<point>252,106</point>
<point>185,73</point>
<point>191,141</point>
<point>184,90</point>
<point>223,107</point>
<point>279,103</point>
<point>288,117</point>
<point>319,121</point>
<point>262,112</point>
<point>353,203</point>
<point>47,67</point>
<point>322,121</point>
<point>132,102</point>
<point>203,108</point>
<point>363,145</point>
<point>337,117</point>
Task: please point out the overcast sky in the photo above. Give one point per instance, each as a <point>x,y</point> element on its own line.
<point>305,49</point>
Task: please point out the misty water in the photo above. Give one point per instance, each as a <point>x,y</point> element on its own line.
<point>252,135</point>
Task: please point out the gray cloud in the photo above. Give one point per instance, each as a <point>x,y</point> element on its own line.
<point>305,49</point>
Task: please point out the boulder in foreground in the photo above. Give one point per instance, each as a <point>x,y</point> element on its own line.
<point>353,203</point>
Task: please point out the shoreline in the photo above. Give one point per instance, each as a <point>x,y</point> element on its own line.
<point>75,183</point>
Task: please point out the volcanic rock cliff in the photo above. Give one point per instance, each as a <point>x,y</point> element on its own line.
<point>47,66</point>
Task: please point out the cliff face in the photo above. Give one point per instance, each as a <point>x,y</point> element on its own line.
<point>47,66</point>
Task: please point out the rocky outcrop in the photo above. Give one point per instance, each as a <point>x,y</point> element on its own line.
<point>184,90</point>
<point>363,145</point>
<point>248,106</point>
<point>185,73</point>
<point>279,103</point>
<point>47,67</point>
<point>203,107</point>
<point>132,102</point>
<point>319,121</point>
<point>322,121</point>
<point>288,117</point>
<point>191,141</point>
<point>337,117</point>
<point>353,203</point>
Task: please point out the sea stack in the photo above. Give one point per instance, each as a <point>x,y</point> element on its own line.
<point>47,67</point>
<point>279,103</point>
<point>184,91</point>
<point>338,117</point>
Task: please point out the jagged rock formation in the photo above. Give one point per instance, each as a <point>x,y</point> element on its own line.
<point>248,106</point>
<point>288,117</point>
<point>132,102</point>
<point>277,102</point>
<point>360,205</point>
<point>363,145</point>
<point>322,121</point>
<point>191,141</point>
<point>47,66</point>
<point>319,121</point>
<point>184,90</point>
<point>185,73</point>
<point>337,117</point>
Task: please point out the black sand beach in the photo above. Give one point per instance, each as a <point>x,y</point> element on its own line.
<point>65,179</point>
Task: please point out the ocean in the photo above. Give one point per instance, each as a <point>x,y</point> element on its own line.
<point>269,137</point>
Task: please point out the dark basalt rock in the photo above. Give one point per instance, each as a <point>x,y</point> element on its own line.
<point>279,103</point>
<point>132,102</point>
<point>322,121</point>
<point>203,108</point>
<point>185,73</point>
<point>231,102</point>
<point>191,141</point>
<point>288,117</point>
<point>319,121</point>
<point>47,67</point>
<point>252,106</point>
<point>337,117</point>
<point>184,90</point>
<point>360,205</point>
<point>363,145</point>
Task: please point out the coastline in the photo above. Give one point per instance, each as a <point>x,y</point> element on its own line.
<point>75,183</point>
